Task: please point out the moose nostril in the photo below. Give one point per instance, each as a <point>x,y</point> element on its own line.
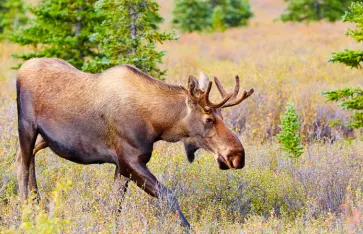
<point>239,160</point>
<point>238,163</point>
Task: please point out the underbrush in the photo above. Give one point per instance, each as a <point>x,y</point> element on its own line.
<point>320,193</point>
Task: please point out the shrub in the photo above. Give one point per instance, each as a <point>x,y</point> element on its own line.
<point>289,136</point>
<point>36,220</point>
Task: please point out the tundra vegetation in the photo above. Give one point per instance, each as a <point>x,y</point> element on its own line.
<point>315,10</point>
<point>322,193</point>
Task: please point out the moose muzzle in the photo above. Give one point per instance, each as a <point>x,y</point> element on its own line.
<point>233,160</point>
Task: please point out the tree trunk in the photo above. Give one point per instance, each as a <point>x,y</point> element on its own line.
<point>317,9</point>
<point>133,29</point>
<point>78,28</point>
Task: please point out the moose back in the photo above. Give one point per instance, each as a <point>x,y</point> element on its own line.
<point>115,117</point>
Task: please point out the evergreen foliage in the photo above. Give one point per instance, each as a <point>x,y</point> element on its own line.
<point>61,29</point>
<point>206,15</point>
<point>12,15</point>
<point>289,136</point>
<point>94,35</point>
<point>352,58</point>
<point>235,12</point>
<point>351,98</point>
<point>192,15</point>
<point>128,35</point>
<point>314,10</point>
<point>217,19</point>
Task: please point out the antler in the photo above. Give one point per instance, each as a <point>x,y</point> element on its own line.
<point>209,103</point>
<point>234,100</point>
<point>198,95</point>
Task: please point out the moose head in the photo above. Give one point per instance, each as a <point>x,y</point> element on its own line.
<point>205,122</point>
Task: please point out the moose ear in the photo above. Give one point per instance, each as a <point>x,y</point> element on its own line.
<point>193,83</point>
<point>203,81</point>
<point>190,150</point>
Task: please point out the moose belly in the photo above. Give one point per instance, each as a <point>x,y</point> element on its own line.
<point>77,142</point>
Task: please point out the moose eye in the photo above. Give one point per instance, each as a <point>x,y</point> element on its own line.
<point>209,121</point>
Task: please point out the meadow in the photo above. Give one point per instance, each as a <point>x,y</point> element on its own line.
<point>321,192</point>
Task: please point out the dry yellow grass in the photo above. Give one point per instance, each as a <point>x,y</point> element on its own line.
<point>280,61</point>
<point>320,194</point>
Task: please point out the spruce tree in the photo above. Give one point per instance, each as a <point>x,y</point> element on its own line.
<point>192,15</point>
<point>289,136</point>
<point>12,15</point>
<point>209,15</point>
<point>314,10</point>
<point>94,35</point>
<point>129,35</point>
<point>352,58</point>
<point>235,13</point>
<point>351,98</point>
<point>60,28</point>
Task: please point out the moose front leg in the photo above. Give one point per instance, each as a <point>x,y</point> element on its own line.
<point>144,179</point>
<point>119,189</point>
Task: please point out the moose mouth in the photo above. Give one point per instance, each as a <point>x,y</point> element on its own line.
<point>222,164</point>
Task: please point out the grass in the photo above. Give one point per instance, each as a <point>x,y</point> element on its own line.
<point>321,193</point>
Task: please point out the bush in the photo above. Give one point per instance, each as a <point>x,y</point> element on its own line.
<point>289,136</point>
<point>36,220</point>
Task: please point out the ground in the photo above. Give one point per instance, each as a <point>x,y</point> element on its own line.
<point>321,192</point>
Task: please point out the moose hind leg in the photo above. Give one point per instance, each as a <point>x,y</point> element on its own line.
<point>33,187</point>
<point>27,136</point>
<point>141,175</point>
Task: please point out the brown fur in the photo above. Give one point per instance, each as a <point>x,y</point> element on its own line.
<point>115,117</point>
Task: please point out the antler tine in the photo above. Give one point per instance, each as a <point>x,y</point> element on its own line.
<point>224,101</point>
<point>209,103</point>
<point>220,88</point>
<point>239,100</point>
<point>236,87</point>
<point>206,94</point>
<point>207,91</point>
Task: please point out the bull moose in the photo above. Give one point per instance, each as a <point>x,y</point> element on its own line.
<point>115,117</point>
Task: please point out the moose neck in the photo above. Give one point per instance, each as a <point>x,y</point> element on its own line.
<point>168,116</point>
